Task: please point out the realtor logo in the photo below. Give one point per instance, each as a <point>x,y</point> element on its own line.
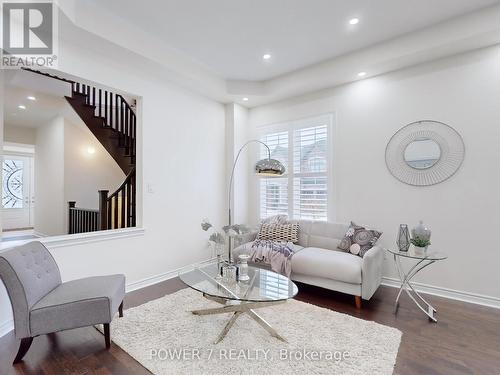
<point>28,34</point>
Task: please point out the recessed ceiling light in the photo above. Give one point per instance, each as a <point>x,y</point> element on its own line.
<point>266,56</point>
<point>21,106</point>
<point>361,74</point>
<point>31,98</point>
<point>353,21</point>
<point>91,150</point>
<point>245,99</point>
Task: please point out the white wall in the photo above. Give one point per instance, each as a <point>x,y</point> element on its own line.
<point>85,173</point>
<point>236,136</point>
<point>49,178</point>
<point>19,134</point>
<point>462,91</point>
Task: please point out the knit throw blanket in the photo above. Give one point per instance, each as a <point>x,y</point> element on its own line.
<point>277,254</point>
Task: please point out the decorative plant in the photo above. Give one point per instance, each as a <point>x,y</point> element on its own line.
<point>235,230</point>
<point>420,242</point>
<point>216,238</point>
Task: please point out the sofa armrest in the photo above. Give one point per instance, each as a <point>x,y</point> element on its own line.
<point>371,271</point>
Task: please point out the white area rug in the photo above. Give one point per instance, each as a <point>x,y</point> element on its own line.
<point>166,338</point>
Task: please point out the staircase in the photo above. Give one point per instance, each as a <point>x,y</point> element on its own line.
<point>113,122</point>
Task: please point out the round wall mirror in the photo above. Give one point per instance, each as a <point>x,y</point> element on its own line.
<point>422,153</point>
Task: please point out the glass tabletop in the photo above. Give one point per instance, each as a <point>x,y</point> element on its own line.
<point>263,285</point>
<point>430,254</point>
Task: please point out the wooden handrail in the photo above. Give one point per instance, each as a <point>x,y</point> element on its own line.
<point>126,182</point>
<point>118,209</point>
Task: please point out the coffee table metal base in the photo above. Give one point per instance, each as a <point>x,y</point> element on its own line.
<point>239,308</point>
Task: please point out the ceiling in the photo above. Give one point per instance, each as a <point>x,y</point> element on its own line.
<point>229,37</point>
<point>37,113</point>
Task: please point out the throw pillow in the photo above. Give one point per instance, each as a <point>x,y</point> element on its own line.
<point>358,235</point>
<point>279,232</point>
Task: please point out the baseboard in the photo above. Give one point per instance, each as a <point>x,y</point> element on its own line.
<point>6,327</point>
<point>148,281</point>
<point>474,298</point>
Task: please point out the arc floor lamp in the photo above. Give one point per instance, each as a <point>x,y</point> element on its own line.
<point>266,167</point>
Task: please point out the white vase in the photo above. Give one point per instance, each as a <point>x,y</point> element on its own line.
<point>243,267</point>
<point>420,250</point>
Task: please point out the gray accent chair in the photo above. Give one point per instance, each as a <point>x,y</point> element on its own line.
<point>42,304</point>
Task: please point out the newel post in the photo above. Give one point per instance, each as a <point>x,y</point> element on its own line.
<point>103,209</point>
<point>71,204</point>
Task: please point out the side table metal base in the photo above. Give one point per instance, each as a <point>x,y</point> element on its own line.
<point>406,285</point>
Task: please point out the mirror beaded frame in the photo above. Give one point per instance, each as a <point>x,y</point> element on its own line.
<point>452,153</point>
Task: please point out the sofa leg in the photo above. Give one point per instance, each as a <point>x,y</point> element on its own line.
<point>357,299</point>
<point>120,310</point>
<point>107,336</point>
<point>23,349</point>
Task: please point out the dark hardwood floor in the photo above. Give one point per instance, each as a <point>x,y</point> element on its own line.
<point>466,340</point>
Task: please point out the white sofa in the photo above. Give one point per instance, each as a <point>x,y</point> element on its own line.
<point>318,262</point>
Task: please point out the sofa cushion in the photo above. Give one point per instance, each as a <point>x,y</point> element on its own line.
<point>330,264</point>
<point>78,303</point>
<point>321,234</point>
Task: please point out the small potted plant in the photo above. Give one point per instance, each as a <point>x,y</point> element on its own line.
<point>420,244</point>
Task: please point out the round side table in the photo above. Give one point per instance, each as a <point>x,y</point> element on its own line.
<point>421,261</point>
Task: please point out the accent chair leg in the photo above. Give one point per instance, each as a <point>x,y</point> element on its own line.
<point>107,336</point>
<point>357,299</point>
<point>23,349</point>
<point>120,310</point>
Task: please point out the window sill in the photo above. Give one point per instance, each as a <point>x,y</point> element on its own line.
<point>81,238</point>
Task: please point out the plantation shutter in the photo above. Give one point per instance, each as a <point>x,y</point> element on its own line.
<point>274,190</point>
<point>302,193</point>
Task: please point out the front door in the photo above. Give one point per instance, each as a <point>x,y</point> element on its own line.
<point>17,192</point>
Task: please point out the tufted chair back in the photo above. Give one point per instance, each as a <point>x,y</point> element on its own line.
<point>29,273</point>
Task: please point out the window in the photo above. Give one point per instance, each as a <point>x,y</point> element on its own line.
<point>305,186</point>
<point>12,178</point>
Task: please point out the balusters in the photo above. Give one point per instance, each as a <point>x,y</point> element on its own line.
<point>106,113</point>
<point>100,103</point>
<point>81,220</point>
<point>134,193</point>
<point>111,110</point>
<point>129,213</point>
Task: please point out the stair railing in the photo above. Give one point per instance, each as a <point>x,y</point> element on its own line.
<point>82,220</point>
<point>118,210</point>
<point>116,112</point>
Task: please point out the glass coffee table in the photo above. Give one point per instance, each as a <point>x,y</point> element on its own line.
<point>263,289</point>
<point>422,260</point>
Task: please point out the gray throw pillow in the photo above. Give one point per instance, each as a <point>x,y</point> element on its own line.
<point>358,240</point>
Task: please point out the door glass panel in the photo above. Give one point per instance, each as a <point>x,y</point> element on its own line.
<point>12,183</point>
